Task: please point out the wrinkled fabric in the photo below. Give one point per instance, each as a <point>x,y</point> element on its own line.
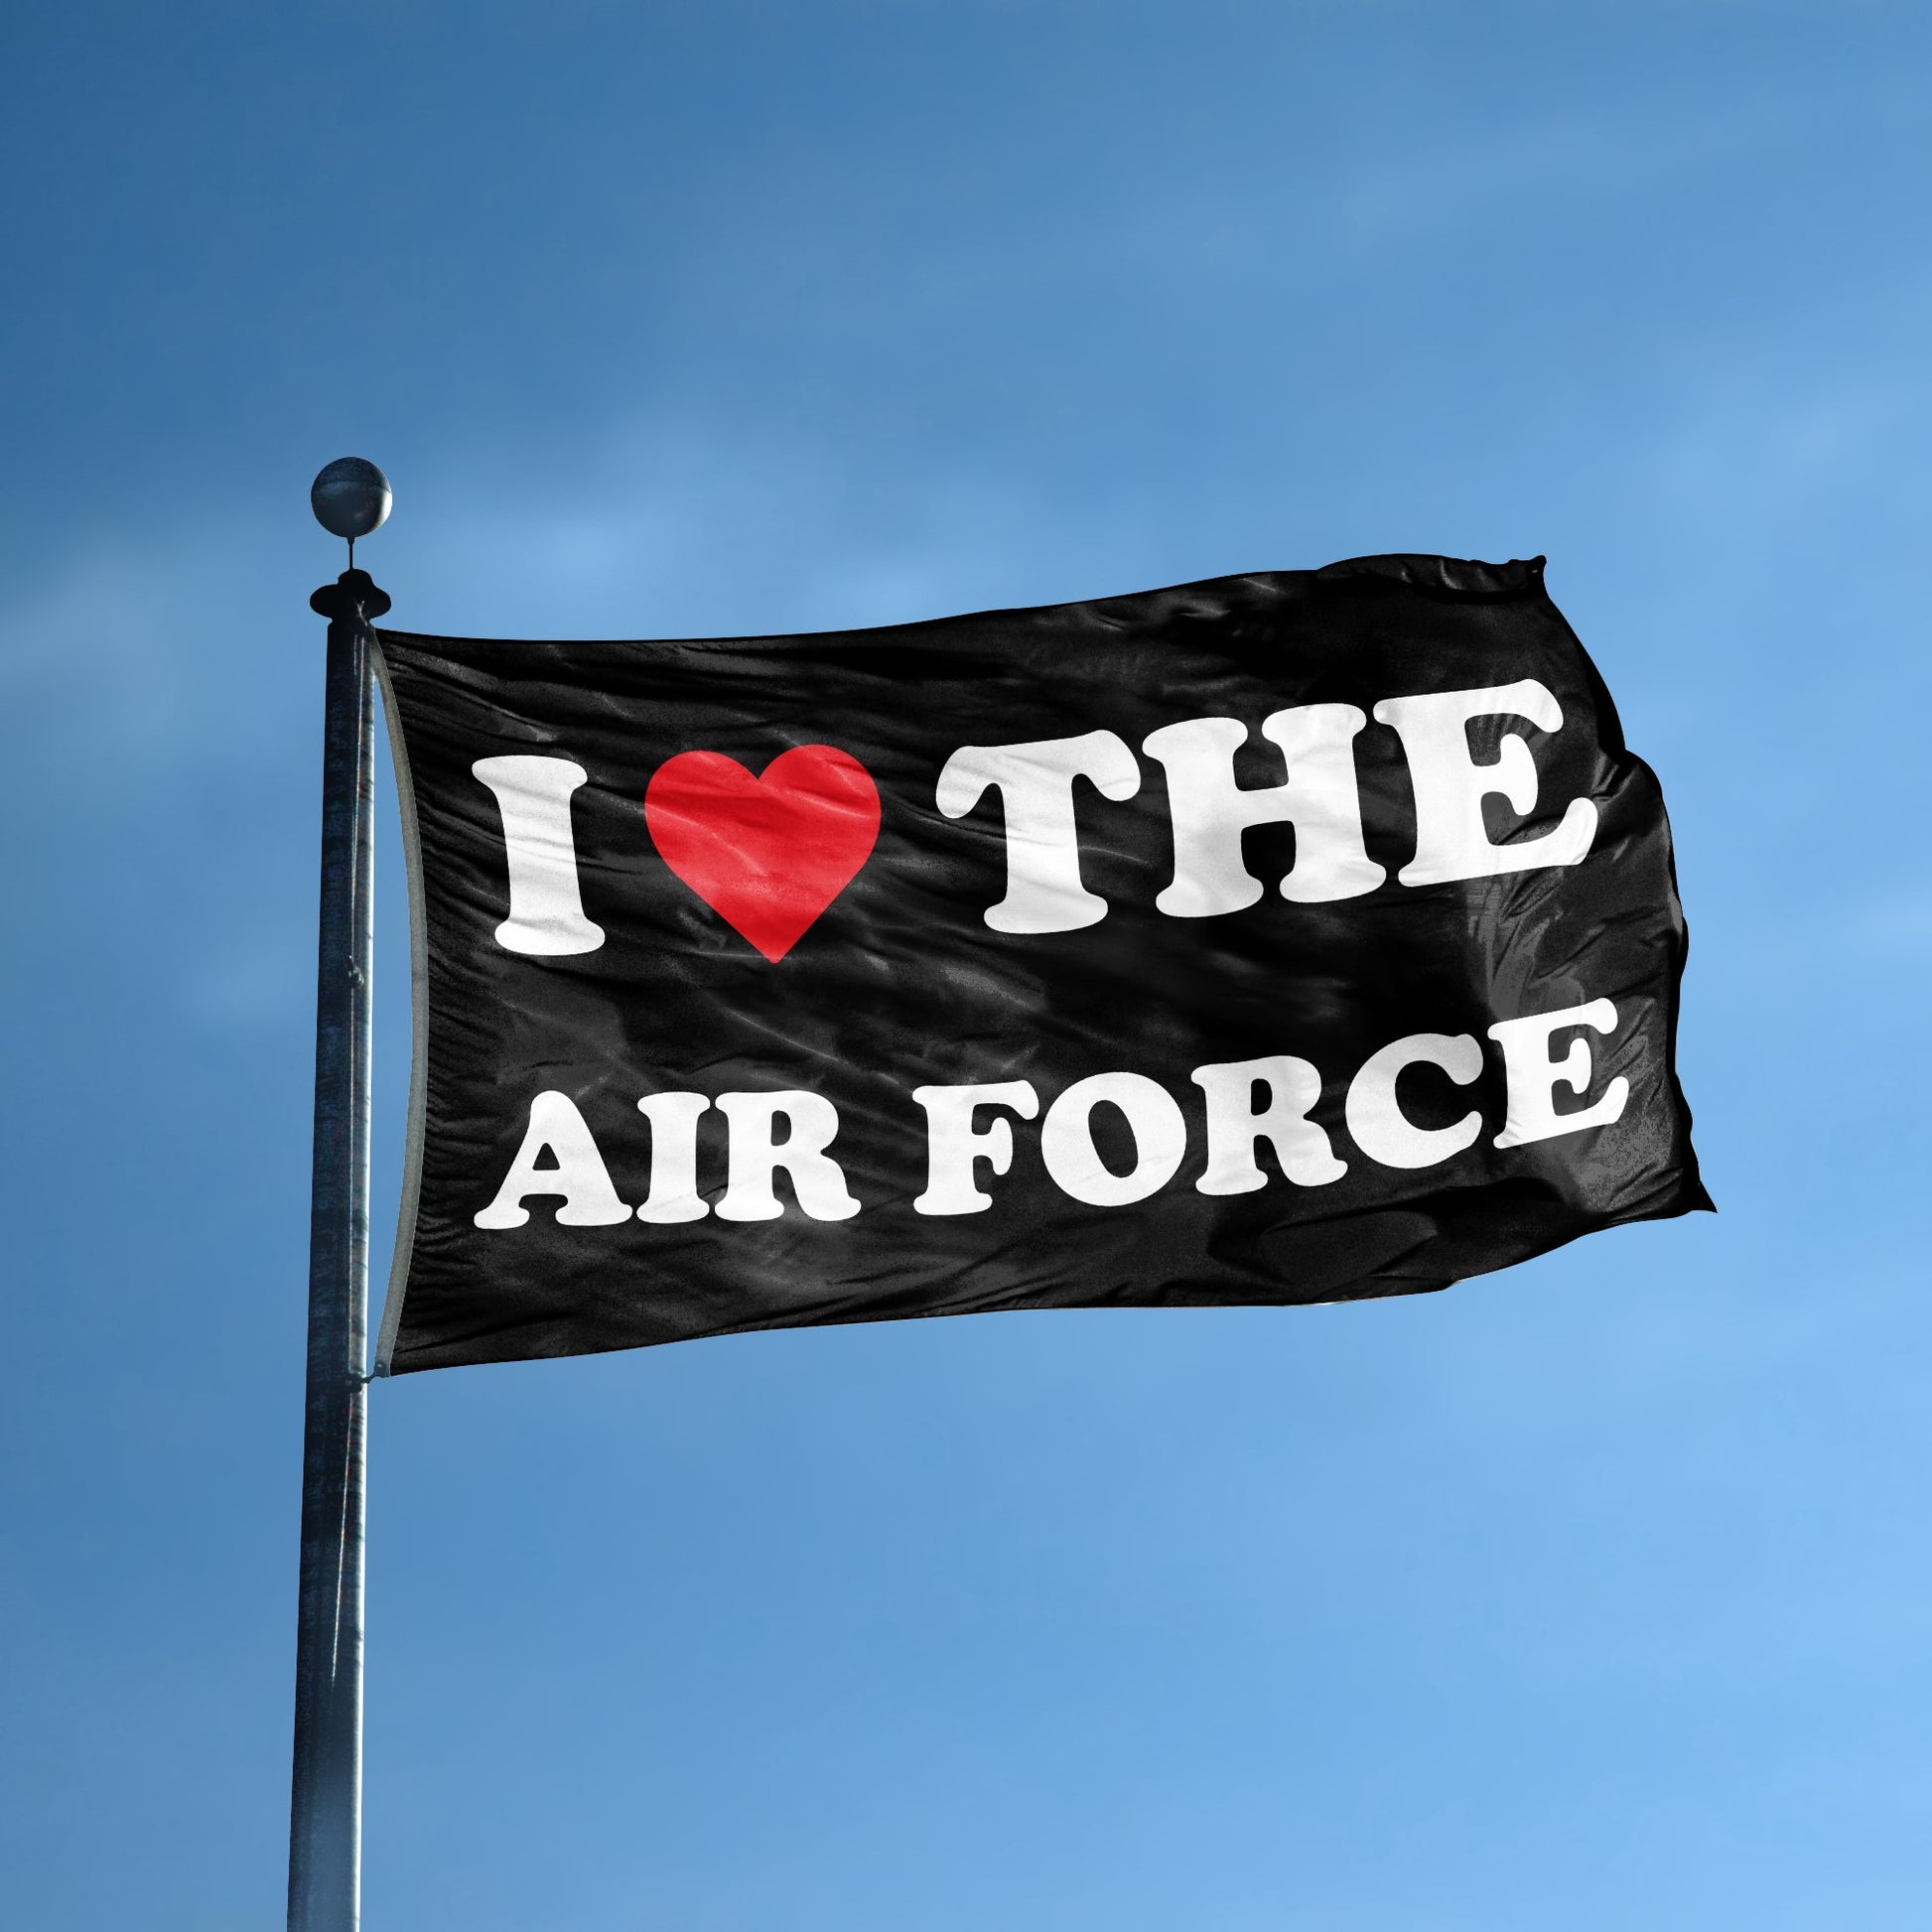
<point>899,983</point>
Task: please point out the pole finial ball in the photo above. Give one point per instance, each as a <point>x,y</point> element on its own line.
<point>351,497</point>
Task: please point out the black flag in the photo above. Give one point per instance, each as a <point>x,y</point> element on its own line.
<point>1291,937</point>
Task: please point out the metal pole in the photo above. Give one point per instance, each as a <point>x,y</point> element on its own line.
<point>326,1819</point>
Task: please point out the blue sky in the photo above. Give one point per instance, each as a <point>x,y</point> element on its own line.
<point>1594,1594</point>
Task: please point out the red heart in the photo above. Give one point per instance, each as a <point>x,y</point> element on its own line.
<point>767,853</point>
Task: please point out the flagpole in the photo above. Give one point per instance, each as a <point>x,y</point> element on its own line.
<point>326,1810</point>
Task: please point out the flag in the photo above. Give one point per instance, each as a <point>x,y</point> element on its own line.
<point>1293,937</point>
